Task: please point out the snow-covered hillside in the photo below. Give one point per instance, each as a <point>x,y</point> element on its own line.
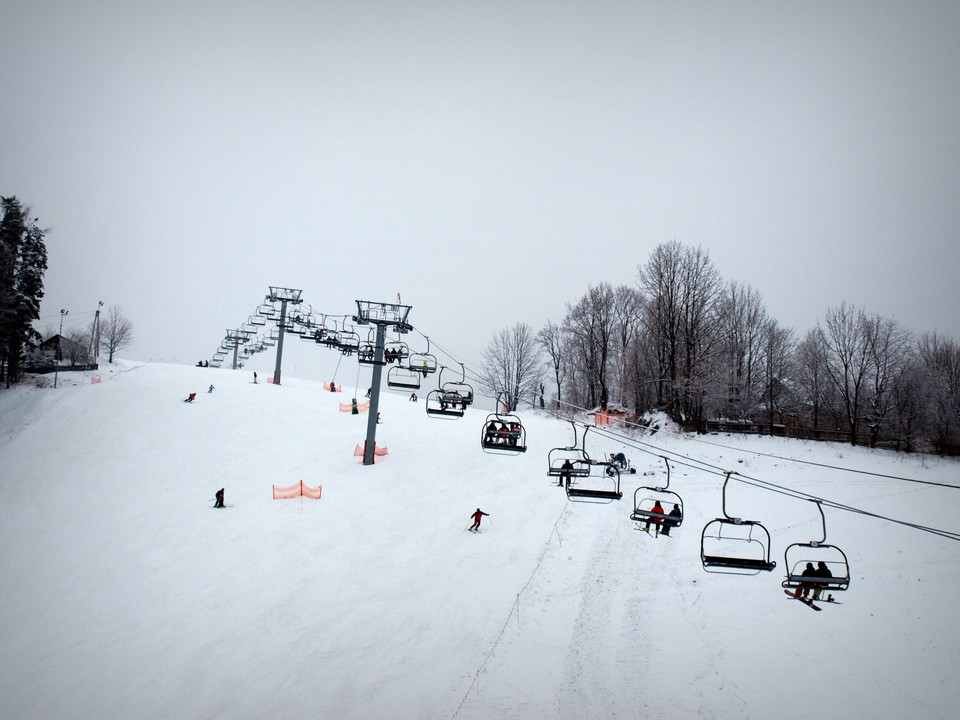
<point>125,595</point>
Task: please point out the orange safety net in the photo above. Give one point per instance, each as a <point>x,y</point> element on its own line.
<point>361,407</point>
<point>336,388</point>
<point>377,450</point>
<point>284,492</point>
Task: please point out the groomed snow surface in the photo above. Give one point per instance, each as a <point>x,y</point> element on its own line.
<point>124,594</point>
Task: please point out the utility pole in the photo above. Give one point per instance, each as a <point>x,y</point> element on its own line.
<point>382,315</point>
<point>284,295</point>
<point>59,355</point>
<point>95,336</point>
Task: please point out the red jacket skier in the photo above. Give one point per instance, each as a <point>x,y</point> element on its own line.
<point>476,519</point>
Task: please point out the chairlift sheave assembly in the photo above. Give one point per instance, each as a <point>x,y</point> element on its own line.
<point>735,546</point>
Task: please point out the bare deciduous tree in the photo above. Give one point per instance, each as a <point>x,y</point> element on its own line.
<point>812,380</point>
<point>553,343</point>
<point>627,307</point>
<point>511,365</point>
<point>889,347</point>
<point>742,325</point>
<point>777,352</point>
<point>681,290</point>
<point>590,326</point>
<point>117,332</point>
<point>940,358</point>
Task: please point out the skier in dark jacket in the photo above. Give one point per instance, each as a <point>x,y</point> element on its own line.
<point>824,572</point>
<point>219,502</point>
<point>676,514</point>
<point>804,589</point>
<point>476,519</point>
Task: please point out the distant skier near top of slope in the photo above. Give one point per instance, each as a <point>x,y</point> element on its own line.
<point>476,520</point>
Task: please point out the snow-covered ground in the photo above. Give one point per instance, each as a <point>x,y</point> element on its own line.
<point>125,595</point>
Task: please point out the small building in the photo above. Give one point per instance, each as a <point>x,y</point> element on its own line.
<point>59,352</point>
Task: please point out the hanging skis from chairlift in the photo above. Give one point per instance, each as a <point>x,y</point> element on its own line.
<point>735,546</point>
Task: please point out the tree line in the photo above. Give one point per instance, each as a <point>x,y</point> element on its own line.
<point>684,341</point>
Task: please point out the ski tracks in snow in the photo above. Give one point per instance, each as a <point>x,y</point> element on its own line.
<point>609,656</point>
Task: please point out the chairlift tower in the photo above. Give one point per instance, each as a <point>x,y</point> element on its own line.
<point>383,315</point>
<point>236,338</point>
<point>284,296</point>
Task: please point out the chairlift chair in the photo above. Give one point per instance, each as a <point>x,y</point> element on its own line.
<point>735,546</point>
<point>569,462</point>
<point>367,354</point>
<point>396,351</point>
<point>797,555</point>
<point>599,485</point>
<point>423,363</point>
<point>645,499</point>
<point>450,400</point>
<point>400,377</point>
<point>347,341</point>
<point>439,407</point>
<point>267,310</point>
<point>458,389</point>
<point>576,457</point>
<point>503,433</point>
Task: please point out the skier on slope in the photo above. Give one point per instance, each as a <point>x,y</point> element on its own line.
<point>219,502</point>
<point>476,519</point>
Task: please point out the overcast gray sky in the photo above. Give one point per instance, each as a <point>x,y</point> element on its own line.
<point>489,161</point>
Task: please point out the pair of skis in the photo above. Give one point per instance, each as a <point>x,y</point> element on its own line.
<point>809,602</point>
<point>805,601</point>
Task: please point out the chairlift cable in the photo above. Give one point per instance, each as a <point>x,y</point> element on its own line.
<point>772,487</point>
<point>790,459</point>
